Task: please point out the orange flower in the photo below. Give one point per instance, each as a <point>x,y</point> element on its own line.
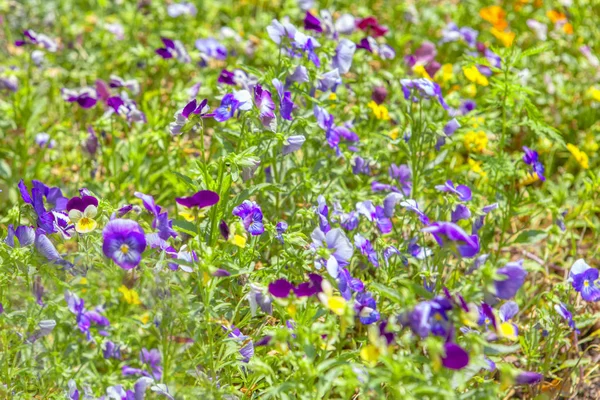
<point>494,15</point>
<point>568,28</point>
<point>556,16</point>
<point>506,38</point>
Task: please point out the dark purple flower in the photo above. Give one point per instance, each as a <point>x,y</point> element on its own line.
<point>281,227</point>
<point>372,26</point>
<point>375,214</point>
<point>201,199</point>
<point>455,357</point>
<point>252,217</point>
<point>173,49</point>
<point>513,276</point>
<point>229,105</point>
<point>280,288</point>
<point>124,242</point>
<point>39,39</point>
<point>531,158</point>
<point>311,287</point>
<point>528,378</point>
<point>431,317</point>
<point>224,229</point>
<point>226,77</point>
<point>463,192</point>
<point>111,350</point>
<point>85,318</point>
<point>448,233</point>
<point>85,97</point>
<point>312,23</point>
<point>379,94</point>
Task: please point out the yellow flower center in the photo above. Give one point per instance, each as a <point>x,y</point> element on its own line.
<point>586,283</point>
<point>124,249</point>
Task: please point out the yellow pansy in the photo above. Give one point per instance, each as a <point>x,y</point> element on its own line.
<point>379,111</point>
<point>189,217</point>
<point>421,72</point>
<point>472,73</point>
<point>580,156</point>
<point>507,38</point>
<point>494,15</point>
<point>332,96</point>
<point>369,354</point>
<point>337,304</point>
<point>130,295</point>
<point>444,74</point>
<point>508,330</point>
<point>394,133</point>
<point>84,220</point>
<point>475,141</point>
<point>239,241</point>
<point>144,319</point>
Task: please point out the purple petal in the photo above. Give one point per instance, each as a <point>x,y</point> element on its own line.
<point>203,198</point>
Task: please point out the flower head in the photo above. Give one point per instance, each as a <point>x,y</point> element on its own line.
<point>82,211</point>
<point>124,242</point>
<point>252,217</point>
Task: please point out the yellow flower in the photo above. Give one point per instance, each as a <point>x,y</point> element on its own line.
<point>506,38</point>
<point>470,90</point>
<point>379,111</point>
<point>189,217</point>
<point>580,156</point>
<point>369,354</point>
<point>84,221</point>
<point>508,330</point>
<point>475,141</point>
<point>144,319</point>
<point>421,72</point>
<point>472,73</point>
<point>83,281</point>
<point>130,295</point>
<point>476,167</point>
<point>239,241</point>
<point>337,304</point>
<point>332,96</point>
<point>568,28</point>
<point>594,93</point>
<point>444,74</point>
<point>394,133</point>
<point>529,179</point>
<point>494,15</point>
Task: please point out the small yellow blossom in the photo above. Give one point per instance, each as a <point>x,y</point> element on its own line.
<point>444,74</point>
<point>494,15</point>
<point>337,304</point>
<point>394,133</point>
<point>421,72</point>
<point>239,241</point>
<point>508,330</point>
<point>472,73</point>
<point>476,167</point>
<point>332,96</point>
<point>83,281</point>
<point>475,141</point>
<point>379,110</point>
<point>144,318</point>
<point>580,156</point>
<point>369,354</point>
<point>130,295</point>
<point>507,38</point>
<point>189,217</point>
<point>568,28</point>
<point>291,309</point>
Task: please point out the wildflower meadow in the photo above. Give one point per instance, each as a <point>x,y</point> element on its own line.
<point>299,199</point>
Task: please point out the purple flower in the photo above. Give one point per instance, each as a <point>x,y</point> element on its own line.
<point>211,48</point>
<point>45,247</point>
<point>224,229</point>
<point>293,143</point>
<point>478,223</point>
<point>431,317</point>
<point>422,88</point>
<point>286,105</point>
<point>39,39</point>
<point>460,212</point>
<point>329,81</point>
<point>226,77</point>
<point>344,52</point>
<point>312,23</point>
<point>366,308</point>
<point>531,158</point>
<point>448,233</point>
<point>251,216</point>
<point>257,298</point>
<point>38,291</point>
<point>176,9</point>
<point>452,33</point>
<point>403,175</point>
<point>232,102</point>
<point>513,276</point>
<point>277,31</point>
<point>323,214</point>
<point>127,108</point>
<point>43,139</point>
<point>376,214</point>
<point>412,205</point>
<point>311,287</point>
<point>281,227</point>
<point>201,199</point>
<point>333,249</point>
<point>85,97</point>
<point>25,236</point>
<point>152,358</point>
<point>360,166</point>
<point>528,378</point>
<point>82,211</point>
<point>124,242</point>
<point>366,249</point>
<point>173,49</point>
<point>280,288</point>
<point>347,284</point>
<point>300,75</point>
<point>455,357</point>
<point>585,283</point>
<point>132,85</point>
<point>463,192</point>
<point>265,105</point>
<point>111,350</point>
<point>85,318</point>
<point>564,312</point>
<point>247,350</point>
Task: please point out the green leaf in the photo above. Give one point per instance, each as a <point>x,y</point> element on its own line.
<point>185,226</point>
<point>531,236</point>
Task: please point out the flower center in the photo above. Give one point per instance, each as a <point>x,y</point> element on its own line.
<point>586,283</point>
<point>124,249</point>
